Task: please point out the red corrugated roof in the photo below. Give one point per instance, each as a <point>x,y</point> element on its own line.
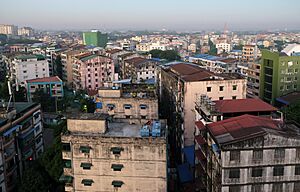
<point>200,125</point>
<point>243,106</point>
<point>242,126</point>
<point>200,140</point>
<point>44,79</point>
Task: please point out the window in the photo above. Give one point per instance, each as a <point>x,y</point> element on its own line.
<point>143,117</point>
<point>24,71</point>
<point>208,89</point>
<point>117,184</point>
<point>296,187</point>
<point>256,188</point>
<point>234,188</point>
<point>279,153</point>
<point>221,98</point>
<point>86,165</point>
<point>298,153</point>
<point>116,150</point>
<point>127,106</point>
<point>87,182</point>
<point>67,163</point>
<point>117,167</point>
<point>127,116</point>
<point>142,106</point>
<point>257,155</point>
<point>221,88</point>
<point>66,147</point>
<point>257,172</point>
<point>233,97</point>
<point>234,87</point>
<point>234,173</point>
<point>234,155</point>
<point>297,170</point>
<point>278,170</point>
<point>84,149</point>
<point>296,70</point>
<point>277,187</point>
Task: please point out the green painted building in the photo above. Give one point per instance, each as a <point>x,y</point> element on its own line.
<point>95,38</point>
<point>280,75</point>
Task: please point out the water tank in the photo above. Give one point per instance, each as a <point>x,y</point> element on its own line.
<point>145,132</point>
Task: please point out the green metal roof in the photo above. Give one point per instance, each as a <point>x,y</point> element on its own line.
<point>23,106</point>
<point>88,57</point>
<point>36,56</point>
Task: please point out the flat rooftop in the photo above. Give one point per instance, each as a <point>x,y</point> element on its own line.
<point>123,129</point>
<point>89,116</point>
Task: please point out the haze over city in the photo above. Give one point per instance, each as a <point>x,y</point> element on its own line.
<point>188,15</point>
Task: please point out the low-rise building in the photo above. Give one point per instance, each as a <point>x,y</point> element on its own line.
<point>21,141</point>
<point>53,86</point>
<point>114,155</point>
<point>249,53</point>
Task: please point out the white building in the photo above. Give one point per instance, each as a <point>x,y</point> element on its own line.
<point>223,47</point>
<point>25,31</point>
<point>25,67</point>
<point>8,29</point>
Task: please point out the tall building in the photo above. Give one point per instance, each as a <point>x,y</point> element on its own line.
<point>25,31</point>
<point>25,67</point>
<point>103,154</point>
<point>95,38</point>
<point>21,141</point>
<point>91,71</point>
<point>279,73</point>
<point>8,29</point>
<point>180,83</point>
<point>247,153</point>
<point>249,53</point>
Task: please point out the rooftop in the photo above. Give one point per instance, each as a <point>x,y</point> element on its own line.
<point>45,79</point>
<point>31,56</point>
<point>243,105</point>
<point>289,98</point>
<point>88,116</point>
<point>242,127</point>
<point>136,61</point>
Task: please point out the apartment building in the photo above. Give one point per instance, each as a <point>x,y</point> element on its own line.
<point>25,31</point>
<point>8,29</point>
<point>223,48</point>
<point>53,86</point>
<point>25,67</point>
<point>248,153</point>
<point>139,69</point>
<point>180,83</point>
<point>249,53</point>
<point>121,103</point>
<point>21,141</point>
<point>215,64</point>
<point>279,73</point>
<point>91,71</point>
<point>114,155</point>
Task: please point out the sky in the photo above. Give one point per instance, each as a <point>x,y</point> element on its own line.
<point>183,15</point>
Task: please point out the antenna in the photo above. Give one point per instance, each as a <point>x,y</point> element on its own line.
<point>10,94</point>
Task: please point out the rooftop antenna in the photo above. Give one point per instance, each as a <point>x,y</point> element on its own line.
<point>10,94</point>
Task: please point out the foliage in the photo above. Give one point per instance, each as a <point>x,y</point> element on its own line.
<point>238,47</point>
<point>4,90</point>
<point>58,67</point>
<point>35,179</point>
<point>21,41</point>
<point>3,38</point>
<point>47,102</point>
<point>89,103</point>
<point>213,50</point>
<point>169,55</point>
<point>292,112</point>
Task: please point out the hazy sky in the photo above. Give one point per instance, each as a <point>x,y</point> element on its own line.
<point>152,14</point>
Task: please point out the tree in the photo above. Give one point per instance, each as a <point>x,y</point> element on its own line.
<point>35,179</point>
<point>58,67</point>
<point>292,112</point>
<point>169,55</point>
<point>4,94</point>
<point>47,102</point>
<point>213,50</point>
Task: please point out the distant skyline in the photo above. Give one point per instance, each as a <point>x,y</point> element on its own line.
<point>184,15</point>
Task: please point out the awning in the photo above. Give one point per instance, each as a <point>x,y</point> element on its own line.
<point>86,165</point>
<point>117,166</point>
<point>189,153</point>
<point>87,182</point>
<point>67,163</point>
<point>185,175</point>
<point>142,106</point>
<point>116,150</point>
<point>11,130</point>
<point>66,178</point>
<point>117,183</point>
<point>84,149</point>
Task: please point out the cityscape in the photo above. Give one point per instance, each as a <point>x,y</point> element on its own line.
<point>160,96</point>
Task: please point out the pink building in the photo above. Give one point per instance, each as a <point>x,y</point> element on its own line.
<point>91,71</point>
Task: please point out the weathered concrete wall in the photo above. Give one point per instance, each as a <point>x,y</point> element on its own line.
<point>89,126</point>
